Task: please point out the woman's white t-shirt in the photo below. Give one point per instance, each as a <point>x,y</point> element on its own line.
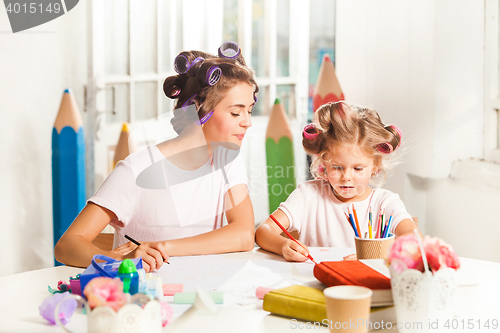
<point>155,200</point>
<point>316,213</point>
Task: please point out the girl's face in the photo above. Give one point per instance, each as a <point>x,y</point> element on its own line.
<point>231,117</point>
<point>349,172</point>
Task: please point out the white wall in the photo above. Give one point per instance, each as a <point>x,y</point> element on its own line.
<point>420,64</point>
<point>35,68</point>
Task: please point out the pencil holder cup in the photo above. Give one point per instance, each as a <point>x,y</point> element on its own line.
<point>423,300</point>
<point>373,248</point>
<point>130,318</point>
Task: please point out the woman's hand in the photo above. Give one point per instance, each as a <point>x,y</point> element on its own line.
<point>153,254</point>
<point>293,251</point>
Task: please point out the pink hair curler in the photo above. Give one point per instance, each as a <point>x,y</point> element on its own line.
<point>307,131</point>
<point>399,133</point>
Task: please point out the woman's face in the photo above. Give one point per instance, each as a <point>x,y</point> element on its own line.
<point>231,117</point>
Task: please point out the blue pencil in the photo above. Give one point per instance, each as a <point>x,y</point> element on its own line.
<point>353,224</point>
<point>388,227</point>
<point>68,166</point>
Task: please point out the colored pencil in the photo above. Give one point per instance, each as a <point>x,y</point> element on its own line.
<point>351,218</point>
<point>68,166</point>
<point>349,221</point>
<point>370,223</point>
<point>279,157</point>
<point>139,244</point>
<point>383,224</point>
<point>290,236</point>
<point>379,224</point>
<point>387,228</point>
<point>356,219</point>
<point>327,88</point>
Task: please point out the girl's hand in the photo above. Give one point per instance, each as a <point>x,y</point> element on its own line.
<point>351,257</point>
<point>294,252</point>
<point>153,254</point>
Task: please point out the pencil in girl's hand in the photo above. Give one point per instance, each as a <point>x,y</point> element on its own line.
<point>139,244</point>
<point>351,218</point>
<point>356,218</point>
<point>290,236</point>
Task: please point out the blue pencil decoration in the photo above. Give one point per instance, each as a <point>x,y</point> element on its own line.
<point>353,224</point>
<point>68,166</point>
<point>388,227</point>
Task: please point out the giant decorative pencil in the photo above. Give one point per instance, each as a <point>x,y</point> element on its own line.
<point>279,156</point>
<point>124,147</point>
<point>68,165</point>
<point>327,87</point>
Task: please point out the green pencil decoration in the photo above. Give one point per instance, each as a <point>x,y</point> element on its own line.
<point>280,158</point>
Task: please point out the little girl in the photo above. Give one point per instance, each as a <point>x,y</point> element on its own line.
<point>350,149</point>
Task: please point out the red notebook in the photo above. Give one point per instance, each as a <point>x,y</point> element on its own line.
<point>354,272</point>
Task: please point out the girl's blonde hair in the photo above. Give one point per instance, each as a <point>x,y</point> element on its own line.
<point>344,124</point>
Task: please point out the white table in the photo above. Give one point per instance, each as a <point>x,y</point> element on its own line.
<point>21,294</point>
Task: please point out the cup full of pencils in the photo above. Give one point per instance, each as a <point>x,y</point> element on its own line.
<point>373,248</point>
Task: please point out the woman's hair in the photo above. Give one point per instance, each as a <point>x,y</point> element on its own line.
<point>191,86</point>
<point>344,124</point>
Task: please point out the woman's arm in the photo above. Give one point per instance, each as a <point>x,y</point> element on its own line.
<point>268,236</point>
<point>75,247</point>
<point>238,235</point>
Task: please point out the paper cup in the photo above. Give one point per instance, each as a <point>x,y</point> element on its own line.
<point>373,248</point>
<point>348,308</point>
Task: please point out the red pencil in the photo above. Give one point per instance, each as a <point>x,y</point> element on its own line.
<point>356,218</point>
<point>290,236</point>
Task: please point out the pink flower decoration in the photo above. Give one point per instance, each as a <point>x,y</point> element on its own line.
<point>103,291</point>
<point>405,253</point>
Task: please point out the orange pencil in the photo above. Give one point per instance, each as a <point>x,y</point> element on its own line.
<point>290,236</point>
<point>356,218</point>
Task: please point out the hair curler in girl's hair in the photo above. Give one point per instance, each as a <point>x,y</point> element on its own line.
<point>386,147</point>
<point>255,98</point>
<point>394,127</point>
<point>181,64</point>
<point>205,118</point>
<point>310,131</point>
<point>229,50</point>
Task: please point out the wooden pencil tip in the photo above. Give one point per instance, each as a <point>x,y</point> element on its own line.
<point>277,101</point>
<point>67,91</point>
<point>326,57</point>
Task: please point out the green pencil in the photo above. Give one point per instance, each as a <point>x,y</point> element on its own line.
<point>280,158</point>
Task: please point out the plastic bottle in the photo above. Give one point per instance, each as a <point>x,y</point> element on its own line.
<point>127,272</point>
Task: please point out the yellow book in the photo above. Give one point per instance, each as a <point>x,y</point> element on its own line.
<point>298,302</point>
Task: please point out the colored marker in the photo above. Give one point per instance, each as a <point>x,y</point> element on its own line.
<point>139,244</point>
<point>353,223</point>
<point>290,236</point>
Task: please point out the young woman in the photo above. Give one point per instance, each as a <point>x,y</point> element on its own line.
<point>172,197</point>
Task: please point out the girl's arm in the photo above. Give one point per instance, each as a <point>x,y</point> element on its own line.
<point>405,227</point>
<point>75,247</point>
<point>237,235</point>
<point>268,236</point>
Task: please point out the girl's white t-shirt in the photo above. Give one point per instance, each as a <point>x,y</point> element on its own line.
<point>316,213</point>
<point>155,200</point>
